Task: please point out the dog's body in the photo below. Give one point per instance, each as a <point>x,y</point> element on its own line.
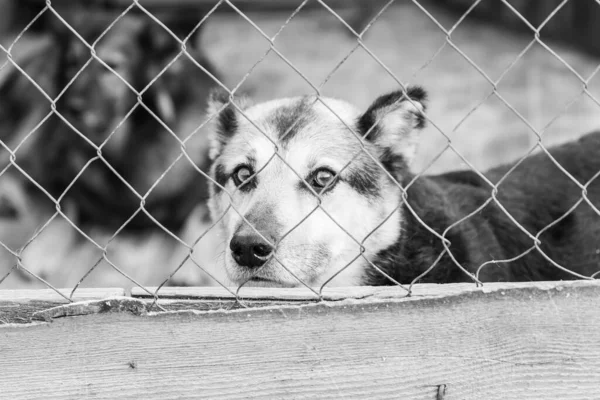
<point>301,199</point>
<point>536,194</point>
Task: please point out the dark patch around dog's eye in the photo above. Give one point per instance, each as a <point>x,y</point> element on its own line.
<point>243,177</point>
<point>365,181</point>
<point>241,174</point>
<point>221,176</point>
<point>321,180</point>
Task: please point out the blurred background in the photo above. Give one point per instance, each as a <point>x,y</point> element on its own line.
<point>492,86</point>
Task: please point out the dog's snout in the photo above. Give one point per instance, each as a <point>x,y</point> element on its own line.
<point>250,250</point>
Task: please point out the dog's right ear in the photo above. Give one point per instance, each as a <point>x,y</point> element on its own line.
<point>225,119</point>
<point>394,120</point>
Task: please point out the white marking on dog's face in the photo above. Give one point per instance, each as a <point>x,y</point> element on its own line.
<point>314,240</point>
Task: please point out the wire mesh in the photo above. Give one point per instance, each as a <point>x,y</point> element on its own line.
<point>167,140</point>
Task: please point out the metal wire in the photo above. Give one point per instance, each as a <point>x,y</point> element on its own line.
<point>184,138</point>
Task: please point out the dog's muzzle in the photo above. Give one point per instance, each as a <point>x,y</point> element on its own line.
<point>249,249</point>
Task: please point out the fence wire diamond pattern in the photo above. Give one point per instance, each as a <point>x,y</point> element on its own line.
<point>185,153</point>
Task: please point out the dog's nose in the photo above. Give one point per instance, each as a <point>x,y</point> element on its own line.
<point>250,250</point>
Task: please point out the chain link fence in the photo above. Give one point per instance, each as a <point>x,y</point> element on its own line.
<point>105,125</point>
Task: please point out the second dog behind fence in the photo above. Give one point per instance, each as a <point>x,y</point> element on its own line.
<point>139,142</point>
<point>301,199</point>
<point>100,108</point>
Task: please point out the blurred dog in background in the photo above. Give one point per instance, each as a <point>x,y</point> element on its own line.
<point>99,114</point>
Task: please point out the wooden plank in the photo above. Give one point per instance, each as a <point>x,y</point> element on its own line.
<point>24,306</point>
<point>220,298</point>
<point>19,306</point>
<point>523,341</point>
<point>356,292</point>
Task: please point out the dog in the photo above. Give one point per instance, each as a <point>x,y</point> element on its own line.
<point>314,191</point>
<point>99,107</point>
<point>100,102</point>
<point>97,198</point>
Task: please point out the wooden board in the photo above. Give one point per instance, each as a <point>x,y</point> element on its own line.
<point>505,341</point>
<point>19,306</point>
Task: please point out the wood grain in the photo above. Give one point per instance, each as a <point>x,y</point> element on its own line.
<point>524,341</point>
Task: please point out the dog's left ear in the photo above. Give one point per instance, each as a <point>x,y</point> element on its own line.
<point>393,121</point>
<point>225,118</point>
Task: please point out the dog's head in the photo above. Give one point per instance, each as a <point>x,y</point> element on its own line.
<point>304,186</point>
<point>134,54</point>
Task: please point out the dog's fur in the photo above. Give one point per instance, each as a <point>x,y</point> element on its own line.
<point>99,101</point>
<point>363,206</point>
<point>140,151</point>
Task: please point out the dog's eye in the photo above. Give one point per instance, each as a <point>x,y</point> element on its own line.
<point>241,174</point>
<point>322,178</point>
<point>114,60</point>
